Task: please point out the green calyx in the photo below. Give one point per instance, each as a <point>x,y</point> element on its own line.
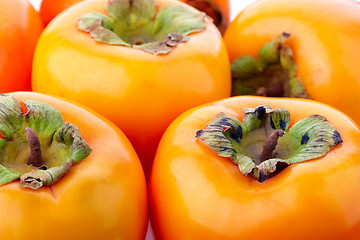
<point>262,145</point>
<point>37,146</point>
<point>138,24</point>
<point>272,74</point>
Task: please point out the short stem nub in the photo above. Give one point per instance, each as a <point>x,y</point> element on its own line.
<point>35,157</point>
<point>270,145</point>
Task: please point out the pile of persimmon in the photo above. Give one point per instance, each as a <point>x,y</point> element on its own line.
<point>141,113</point>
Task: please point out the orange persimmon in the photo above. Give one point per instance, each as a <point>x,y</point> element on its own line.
<point>147,80</point>
<point>20,29</point>
<point>320,38</point>
<point>103,196</point>
<point>205,195</point>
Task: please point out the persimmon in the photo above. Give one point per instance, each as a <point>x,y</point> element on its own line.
<point>80,177</point>
<point>248,166</point>
<point>140,72</point>
<point>20,29</point>
<point>300,49</point>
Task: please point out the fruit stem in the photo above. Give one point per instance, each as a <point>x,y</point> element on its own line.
<point>270,145</point>
<point>35,157</point>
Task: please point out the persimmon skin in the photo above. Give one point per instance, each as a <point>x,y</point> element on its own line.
<point>51,8</point>
<point>324,40</point>
<point>20,29</point>
<point>193,189</point>
<point>102,197</point>
<point>140,92</point>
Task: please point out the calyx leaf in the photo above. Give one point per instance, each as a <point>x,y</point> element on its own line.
<point>138,24</point>
<point>263,144</point>
<point>273,73</point>
<point>43,127</point>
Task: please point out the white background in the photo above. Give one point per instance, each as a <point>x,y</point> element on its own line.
<point>236,5</point>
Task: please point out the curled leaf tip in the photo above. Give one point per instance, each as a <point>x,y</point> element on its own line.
<point>38,178</point>
<point>31,182</point>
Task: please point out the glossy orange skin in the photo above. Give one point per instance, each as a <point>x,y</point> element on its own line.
<point>20,29</point>
<point>195,194</point>
<point>51,8</point>
<point>140,92</point>
<point>102,197</point>
<point>325,38</point>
